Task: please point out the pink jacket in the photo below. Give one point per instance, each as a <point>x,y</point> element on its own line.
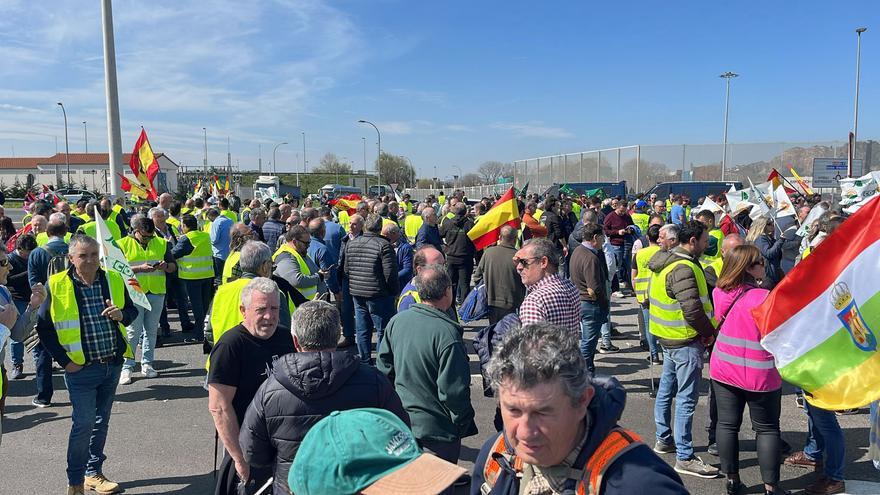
<point>738,358</point>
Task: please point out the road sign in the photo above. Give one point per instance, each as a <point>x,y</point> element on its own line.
<point>827,172</point>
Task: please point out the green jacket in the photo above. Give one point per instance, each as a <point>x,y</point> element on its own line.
<point>423,355</point>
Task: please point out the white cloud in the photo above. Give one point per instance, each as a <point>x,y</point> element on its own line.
<point>434,97</point>
<point>459,128</point>
<point>533,128</point>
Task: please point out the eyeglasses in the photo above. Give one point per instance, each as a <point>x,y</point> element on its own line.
<point>758,263</point>
<point>306,242</point>
<point>525,261</point>
<point>4,262</point>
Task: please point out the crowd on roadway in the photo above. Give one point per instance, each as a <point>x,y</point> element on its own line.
<point>336,360</point>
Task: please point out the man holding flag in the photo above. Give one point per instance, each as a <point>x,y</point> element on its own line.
<point>82,325</point>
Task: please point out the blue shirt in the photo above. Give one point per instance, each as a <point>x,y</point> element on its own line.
<point>333,237</point>
<point>38,261</point>
<point>404,261</point>
<point>321,255</point>
<point>220,237</point>
<point>676,214</point>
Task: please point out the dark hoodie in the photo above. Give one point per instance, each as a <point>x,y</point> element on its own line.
<point>681,285</point>
<point>304,388</point>
<point>459,249</point>
<point>639,470</point>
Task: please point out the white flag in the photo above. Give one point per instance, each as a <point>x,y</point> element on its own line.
<point>738,201</point>
<point>762,206</point>
<point>807,224</point>
<point>112,259</point>
<point>783,205</point>
<point>855,193</point>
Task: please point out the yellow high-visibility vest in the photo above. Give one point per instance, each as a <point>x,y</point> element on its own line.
<point>641,221</point>
<point>64,312</point>
<point>344,219</point>
<point>643,273</point>
<point>199,264</point>
<point>43,238</point>
<point>91,229</point>
<point>229,264</point>
<point>666,318</point>
<point>310,291</point>
<point>411,226</point>
<point>151,282</point>
<point>230,215</point>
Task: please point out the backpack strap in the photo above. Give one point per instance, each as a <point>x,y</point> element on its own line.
<point>618,442</point>
<point>493,468</point>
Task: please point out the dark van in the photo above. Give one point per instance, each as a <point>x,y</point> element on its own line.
<point>693,190</point>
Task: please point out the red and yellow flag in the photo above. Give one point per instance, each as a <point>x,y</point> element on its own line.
<point>144,166</point>
<point>776,180</point>
<point>800,181</point>
<point>505,211</point>
<point>347,203</point>
<point>135,190</point>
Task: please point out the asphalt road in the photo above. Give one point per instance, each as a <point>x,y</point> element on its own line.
<point>161,435</point>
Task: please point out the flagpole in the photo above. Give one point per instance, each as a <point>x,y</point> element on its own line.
<point>789,183</point>
<point>111,91</point>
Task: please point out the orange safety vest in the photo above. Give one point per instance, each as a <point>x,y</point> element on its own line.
<point>589,479</point>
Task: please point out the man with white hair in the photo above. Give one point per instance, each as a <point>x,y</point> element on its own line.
<point>241,360</point>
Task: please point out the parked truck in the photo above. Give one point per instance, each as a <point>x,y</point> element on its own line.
<point>270,187</point>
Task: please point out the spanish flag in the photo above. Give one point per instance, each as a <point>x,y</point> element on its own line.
<point>800,181</point>
<point>822,322</point>
<point>776,180</point>
<point>504,212</point>
<point>144,166</point>
<point>135,190</point>
<point>346,203</point>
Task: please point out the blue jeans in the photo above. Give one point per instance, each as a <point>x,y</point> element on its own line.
<point>92,390</point>
<point>682,372</point>
<point>825,439</point>
<point>623,268</point>
<point>652,340</point>
<point>143,330</point>
<point>371,314</point>
<point>347,311</point>
<point>592,319</point>
<point>199,293</point>
<point>17,348</point>
<point>43,365</point>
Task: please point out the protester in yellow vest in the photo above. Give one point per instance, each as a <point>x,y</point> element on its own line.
<point>90,228</point>
<point>411,225</point>
<point>294,265</point>
<point>255,261</point>
<point>682,319</point>
<point>640,217</point>
<point>150,258</point>
<point>195,268</point>
<point>226,212</point>
<point>43,238</point>
<point>641,276</point>
<point>713,268</point>
<point>75,332</point>
<point>713,249</point>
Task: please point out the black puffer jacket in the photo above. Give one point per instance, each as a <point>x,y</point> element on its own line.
<point>371,266</point>
<point>459,249</point>
<point>304,388</point>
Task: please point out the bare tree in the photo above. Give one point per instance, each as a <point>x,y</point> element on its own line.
<point>491,171</point>
<point>395,169</point>
<point>470,179</point>
<point>331,165</point>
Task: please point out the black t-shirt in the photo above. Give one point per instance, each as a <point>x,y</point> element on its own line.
<point>243,361</point>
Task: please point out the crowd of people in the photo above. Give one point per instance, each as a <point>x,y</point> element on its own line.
<point>334,333</point>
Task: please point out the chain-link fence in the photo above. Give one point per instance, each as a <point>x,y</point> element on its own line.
<point>643,166</point>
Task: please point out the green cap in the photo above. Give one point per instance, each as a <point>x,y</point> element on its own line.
<point>369,451</point>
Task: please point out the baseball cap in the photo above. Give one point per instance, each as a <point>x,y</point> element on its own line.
<point>641,204</point>
<point>369,451</point>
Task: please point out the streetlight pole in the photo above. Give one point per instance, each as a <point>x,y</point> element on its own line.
<point>66,143</point>
<point>366,181</point>
<point>304,158</point>
<point>275,160</point>
<point>205,130</point>
<point>859,32</point>
<point>728,76</point>
<point>412,171</point>
<point>86,132</point>
<point>460,176</point>
<point>378,170</point>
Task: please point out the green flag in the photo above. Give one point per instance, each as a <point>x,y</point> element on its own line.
<point>567,190</point>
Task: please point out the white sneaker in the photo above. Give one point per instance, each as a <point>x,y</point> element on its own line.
<point>125,376</point>
<point>148,371</point>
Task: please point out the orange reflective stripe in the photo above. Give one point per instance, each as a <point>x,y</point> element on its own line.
<point>492,468</point>
<point>615,444</point>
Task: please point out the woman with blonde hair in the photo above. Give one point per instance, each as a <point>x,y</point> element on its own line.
<point>742,371</point>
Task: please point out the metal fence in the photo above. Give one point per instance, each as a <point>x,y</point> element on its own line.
<point>643,166</point>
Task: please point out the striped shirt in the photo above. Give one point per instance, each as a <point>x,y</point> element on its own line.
<point>98,332</point>
<point>553,299</point>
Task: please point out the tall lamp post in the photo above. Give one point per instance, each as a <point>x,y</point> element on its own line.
<point>366,181</point>
<point>412,171</point>
<point>205,130</point>
<point>859,32</point>
<point>460,175</point>
<point>66,143</point>
<point>304,158</point>
<point>728,76</point>
<point>275,161</point>
<point>379,156</point>
<point>86,133</point>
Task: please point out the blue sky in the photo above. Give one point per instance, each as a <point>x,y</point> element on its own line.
<point>450,84</point>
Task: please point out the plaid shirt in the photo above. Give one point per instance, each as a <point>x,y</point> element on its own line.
<point>551,480</point>
<point>99,333</point>
<point>553,299</point>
